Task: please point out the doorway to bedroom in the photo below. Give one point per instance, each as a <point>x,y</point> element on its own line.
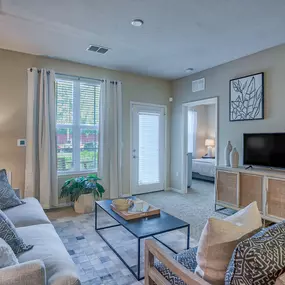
<point>200,142</point>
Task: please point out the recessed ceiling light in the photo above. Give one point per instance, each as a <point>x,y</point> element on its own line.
<point>190,69</point>
<point>137,22</point>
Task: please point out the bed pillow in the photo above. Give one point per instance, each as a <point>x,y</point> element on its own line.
<point>259,259</point>
<point>7,256</point>
<point>9,234</point>
<point>8,197</point>
<point>219,239</point>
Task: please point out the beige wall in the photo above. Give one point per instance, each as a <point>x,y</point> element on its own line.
<point>13,96</point>
<point>272,62</point>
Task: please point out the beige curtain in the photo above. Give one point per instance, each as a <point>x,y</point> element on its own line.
<point>41,171</point>
<point>110,144</point>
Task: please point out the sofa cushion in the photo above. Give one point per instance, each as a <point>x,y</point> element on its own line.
<point>30,213</point>
<point>186,258</point>
<point>219,239</point>
<point>48,247</point>
<point>8,197</point>
<point>9,234</point>
<point>7,256</point>
<point>259,259</point>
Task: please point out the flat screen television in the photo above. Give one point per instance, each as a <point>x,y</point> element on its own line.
<point>264,149</point>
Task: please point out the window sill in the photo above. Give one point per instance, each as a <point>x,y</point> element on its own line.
<point>81,173</point>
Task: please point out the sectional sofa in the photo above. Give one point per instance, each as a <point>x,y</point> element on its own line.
<point>48,262</point>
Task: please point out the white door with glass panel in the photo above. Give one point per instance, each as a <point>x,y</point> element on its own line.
<point>148,148</point>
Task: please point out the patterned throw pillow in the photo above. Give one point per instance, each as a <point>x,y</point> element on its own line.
<point>186,258</point>
<point>8,197</point>
<point>9,234</point>
<point>7,256</point>
<point>259,259</point>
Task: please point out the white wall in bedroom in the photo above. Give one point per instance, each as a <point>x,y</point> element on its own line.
<point>205,127</point>
<point>211,112</point>
<point>202,129</point>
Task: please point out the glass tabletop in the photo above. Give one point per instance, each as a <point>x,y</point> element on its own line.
<point>145,227</point>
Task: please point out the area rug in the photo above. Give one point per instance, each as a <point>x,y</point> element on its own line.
<point>195,207</point>
<point>96,262</point>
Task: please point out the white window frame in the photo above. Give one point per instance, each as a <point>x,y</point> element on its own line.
<point>76,126</point>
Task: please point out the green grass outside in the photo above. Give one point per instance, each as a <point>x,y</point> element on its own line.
<point>87,158</point>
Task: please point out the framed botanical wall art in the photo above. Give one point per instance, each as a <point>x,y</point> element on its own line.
<point>247,98</point>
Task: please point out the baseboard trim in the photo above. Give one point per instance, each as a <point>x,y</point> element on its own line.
<point>125,195</point>
<point>176,190</point>
<point>62,205</point>
<point>59,206</point>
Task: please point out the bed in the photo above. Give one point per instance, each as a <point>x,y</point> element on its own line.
<point>203,169</point>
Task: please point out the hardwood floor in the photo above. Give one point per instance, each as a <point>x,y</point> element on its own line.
<point>64,212</point>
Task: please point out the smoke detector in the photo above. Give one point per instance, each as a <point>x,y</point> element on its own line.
<point>137,22</point>
<point>97,49</point>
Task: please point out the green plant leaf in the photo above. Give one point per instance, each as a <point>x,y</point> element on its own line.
<point>93,176</point>
<point>76,186</point>
<point>101,189</point>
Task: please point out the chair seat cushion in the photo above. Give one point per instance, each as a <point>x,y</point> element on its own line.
<point>259,259</point>
<point>30,213</point>
<point>186,258</point>
<point>49,248</point>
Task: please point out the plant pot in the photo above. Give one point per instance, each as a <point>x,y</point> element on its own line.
<point>85,204</point>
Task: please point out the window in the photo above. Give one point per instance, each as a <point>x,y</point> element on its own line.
<point>77,124</point>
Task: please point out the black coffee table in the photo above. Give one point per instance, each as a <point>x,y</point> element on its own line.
<point>141,228</point>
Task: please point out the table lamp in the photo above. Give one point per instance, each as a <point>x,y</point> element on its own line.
<point>210,143</point>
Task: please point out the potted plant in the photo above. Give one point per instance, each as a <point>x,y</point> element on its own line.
<point>83,191</point>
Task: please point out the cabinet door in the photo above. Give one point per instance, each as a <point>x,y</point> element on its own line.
<point>276,198</point>
<point>226,187</point>
<point>251,187</point>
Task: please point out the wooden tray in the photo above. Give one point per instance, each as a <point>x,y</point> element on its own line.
<point>132,216</point>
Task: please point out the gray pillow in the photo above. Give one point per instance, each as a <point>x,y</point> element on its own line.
<point>7,256</point>
<point>8,197</point>
<point>9,234</point>
<point>259,259</point>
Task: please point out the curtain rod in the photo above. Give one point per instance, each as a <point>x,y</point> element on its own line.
<point>61,74</point>
<point>39,70</point>
<point>94,79</point>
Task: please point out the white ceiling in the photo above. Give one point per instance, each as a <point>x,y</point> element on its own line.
<point>177,34</point>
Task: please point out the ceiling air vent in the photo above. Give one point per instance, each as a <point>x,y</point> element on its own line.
<point>198,85</point>
<point>97,49</point>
